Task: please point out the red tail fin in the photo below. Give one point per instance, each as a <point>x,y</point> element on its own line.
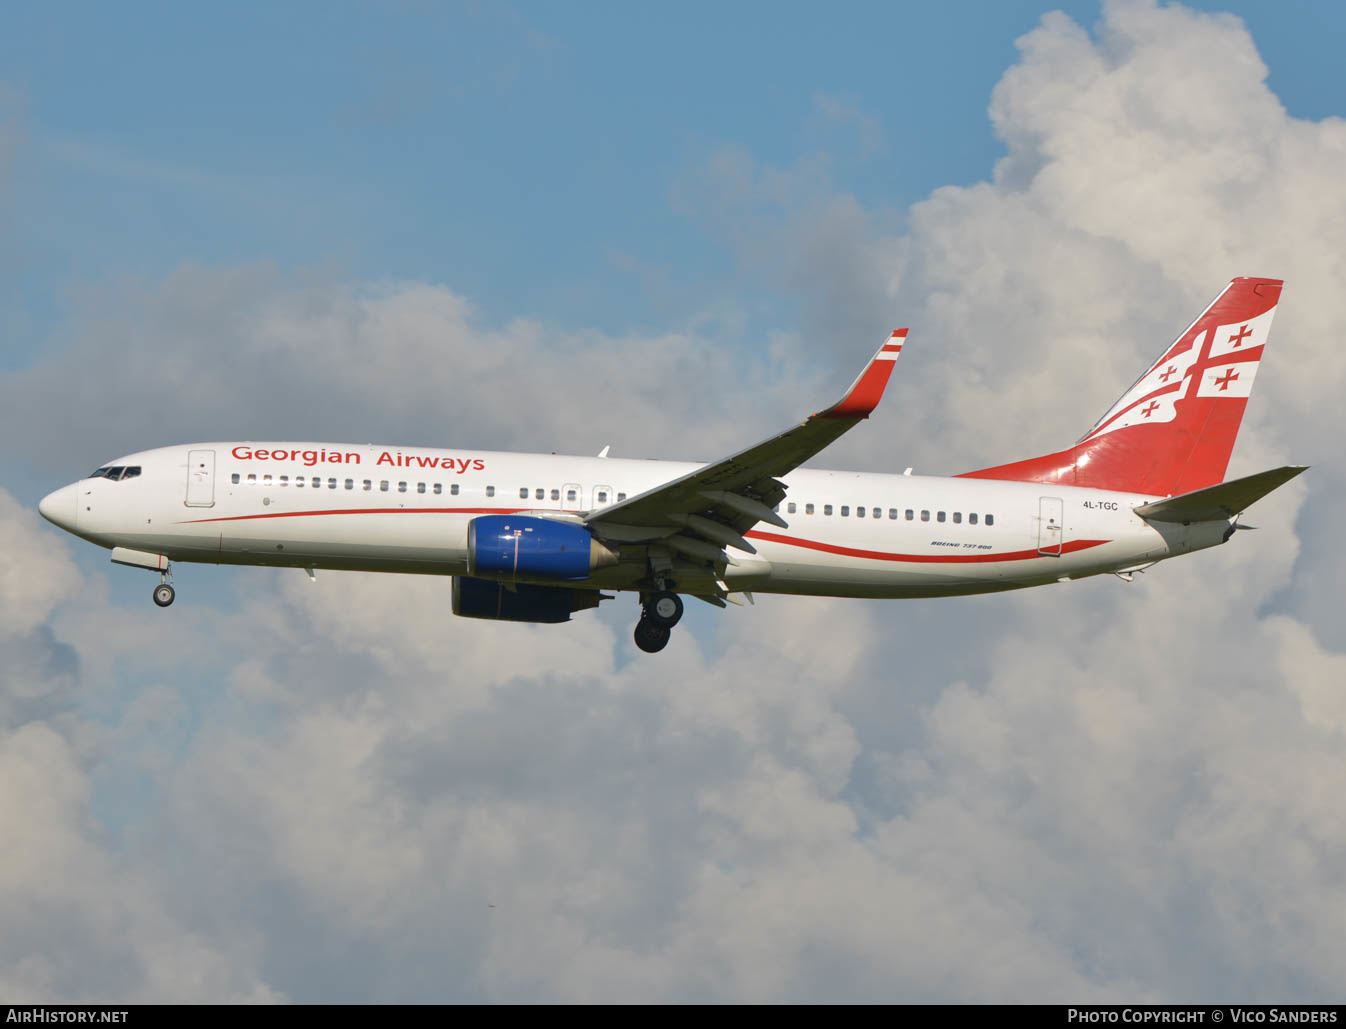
<point>1173,431</point>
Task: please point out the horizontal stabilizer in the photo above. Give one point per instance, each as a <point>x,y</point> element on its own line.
<point>1218,503</point>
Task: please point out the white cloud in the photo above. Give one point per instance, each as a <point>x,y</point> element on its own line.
<point>81,922</point>
<point>247,352</point>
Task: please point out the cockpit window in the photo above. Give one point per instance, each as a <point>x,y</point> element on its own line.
<point>116,472</point>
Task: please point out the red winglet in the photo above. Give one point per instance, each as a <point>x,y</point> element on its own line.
<point>866,391</point>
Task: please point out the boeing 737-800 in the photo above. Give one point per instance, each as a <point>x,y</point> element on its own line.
<point>536,537</point>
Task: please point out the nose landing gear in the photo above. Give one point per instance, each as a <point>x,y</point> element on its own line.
<point>164,592</point>
<point>660,611</point>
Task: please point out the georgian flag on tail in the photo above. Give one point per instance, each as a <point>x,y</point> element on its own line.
<point>1173,431</point>
<point>1220,361</point>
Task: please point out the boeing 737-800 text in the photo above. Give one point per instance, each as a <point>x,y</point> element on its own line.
<point>534,537</point>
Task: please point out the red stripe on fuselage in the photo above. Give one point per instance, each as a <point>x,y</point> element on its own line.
<point>941,558</point>
<point>368,510</point>
<point>772,537</point>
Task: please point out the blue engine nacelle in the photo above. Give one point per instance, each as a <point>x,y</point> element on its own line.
<point>518,547</point>
<point>478,598</point>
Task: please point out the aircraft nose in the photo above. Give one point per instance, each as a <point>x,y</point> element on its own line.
<point>61,507</point>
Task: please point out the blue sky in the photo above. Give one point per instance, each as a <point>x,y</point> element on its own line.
<point>673,230</point>
<point>527,155</point>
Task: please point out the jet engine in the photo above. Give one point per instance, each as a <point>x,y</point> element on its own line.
<point>519,547</point>
<point>480,598</point>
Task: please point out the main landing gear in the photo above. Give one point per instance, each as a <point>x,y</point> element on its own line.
<point>164,593</point>
<point>660,611</point>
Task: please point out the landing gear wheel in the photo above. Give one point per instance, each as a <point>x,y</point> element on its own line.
<point>163,594</point>
<point>651,637</point>
<point>664,609</point>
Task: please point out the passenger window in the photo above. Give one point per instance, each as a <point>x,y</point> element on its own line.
<point>892,514</point>
<point>790,508</point>
<point>331,483</point>
<point>570,495</point>
<point>957,517</point>
<point>808,509</point>
<point>439,488</point>
<point>845,511</point>
<point>401,487</point>
<point>350,484</point>
<point>910,514</point>
<point>317,481</point>
<point>621,497</point>
<point>556,494</point>
<point>990,519</point>
<point>523,493</point>
<point>284,480</point>
<point>368,485</point>
<point>940,516</point>
<point>859,512</point>
<point>490,491</point>
<point>925,516</point>
<point>266,480</point>
<point>383,485</point>
<point>298,480</point>
<point>235,478</point>
<point>252,478</point>
<point>972,519</point>
<point>602,496</point>
<point>878,512</point>
<point>453,489</point>
<point>827,509</point>
<point>539,494</point>
<point>420,487</point>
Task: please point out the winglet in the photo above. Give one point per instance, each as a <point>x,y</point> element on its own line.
<point>867,390</point>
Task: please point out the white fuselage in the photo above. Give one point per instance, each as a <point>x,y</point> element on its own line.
<point>373,508</point>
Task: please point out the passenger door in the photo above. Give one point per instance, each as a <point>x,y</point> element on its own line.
<point>201,478</point>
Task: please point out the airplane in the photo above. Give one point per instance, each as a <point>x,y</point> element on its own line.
<point>538,537</point>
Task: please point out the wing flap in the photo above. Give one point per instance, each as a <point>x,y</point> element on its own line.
<point>1221,502</point>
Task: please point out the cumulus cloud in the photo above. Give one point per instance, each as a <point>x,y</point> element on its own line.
<point>81,921</point>
<point>252,353</point>
<point>1089,791</point>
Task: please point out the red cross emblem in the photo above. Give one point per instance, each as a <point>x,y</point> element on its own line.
<point>1228,377</point>
<point>1169,372</point>
<point>1150,408</point>
<point>1243,333</point>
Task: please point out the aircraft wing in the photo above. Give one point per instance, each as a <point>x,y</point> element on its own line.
<point>711,508</point>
